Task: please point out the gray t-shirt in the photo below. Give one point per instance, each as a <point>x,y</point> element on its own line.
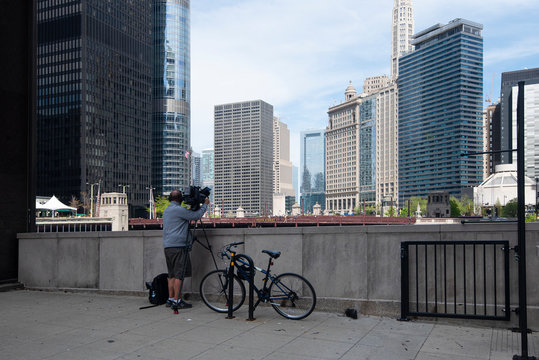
<point>176,224</point>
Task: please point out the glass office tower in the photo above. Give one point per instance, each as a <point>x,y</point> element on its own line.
<point>171,95</point>
<point>440,110</point>
<point>313,169</point>
<point>94,98</point>
<point>367,150</point>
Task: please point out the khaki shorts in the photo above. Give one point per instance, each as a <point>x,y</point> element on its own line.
<point>178,262</point>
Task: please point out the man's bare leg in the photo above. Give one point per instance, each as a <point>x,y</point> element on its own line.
<point>170,288</point>
<point>177,286</point>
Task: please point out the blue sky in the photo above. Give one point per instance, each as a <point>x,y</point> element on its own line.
<point>299,55</point>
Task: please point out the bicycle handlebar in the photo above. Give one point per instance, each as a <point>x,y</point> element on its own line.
<point>227,248</point>
<point>234,244</point>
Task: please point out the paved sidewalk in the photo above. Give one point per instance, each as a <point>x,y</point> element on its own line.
<point>57,325</point>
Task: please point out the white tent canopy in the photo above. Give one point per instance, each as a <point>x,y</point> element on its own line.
<point>54,204</point>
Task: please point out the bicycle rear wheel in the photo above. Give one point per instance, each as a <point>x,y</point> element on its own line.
<point>292,296</point>
<point>214,291</point>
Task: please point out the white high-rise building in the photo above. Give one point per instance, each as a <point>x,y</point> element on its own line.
<point>387,165</point>
<point>207,170</point>
<point>342,154</point>
<point>402,31</point>
<point>282,166</point>
<point>531,126</point>
<point>374,83</point>
<point>243,157</point>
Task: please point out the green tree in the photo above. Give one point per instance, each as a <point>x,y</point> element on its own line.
<point>466,206</point>
<point>455,206</point>
<point>497,208</point>
<point>404,212</point>
<point>510,209</point>
<point>161,203</point>
<point>414,200</point>
<point>372,209</point>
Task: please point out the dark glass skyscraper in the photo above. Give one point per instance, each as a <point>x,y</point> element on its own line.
<point>440,110</point>
<point>94,97</point>
<point>313,169</point>
<point>367,150</point>
<point>171,95</point>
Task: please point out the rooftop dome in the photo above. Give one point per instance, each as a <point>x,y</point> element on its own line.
<point>350,91</point>
<point>501,187</point>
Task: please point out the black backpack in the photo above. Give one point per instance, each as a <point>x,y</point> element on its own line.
<point>158,288</point>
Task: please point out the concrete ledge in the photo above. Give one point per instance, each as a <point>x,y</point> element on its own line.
<point>349,266</point>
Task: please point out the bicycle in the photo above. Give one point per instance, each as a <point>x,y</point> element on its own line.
<point>291,295</point>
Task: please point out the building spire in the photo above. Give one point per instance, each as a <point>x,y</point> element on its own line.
<point>401,31</point>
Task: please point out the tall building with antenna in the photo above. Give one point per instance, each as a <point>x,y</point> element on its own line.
<point>402,31</point>
<point>171,118</point>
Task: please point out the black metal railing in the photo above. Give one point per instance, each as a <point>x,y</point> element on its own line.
<point>458,279</point>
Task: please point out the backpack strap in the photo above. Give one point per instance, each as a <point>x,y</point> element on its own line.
<point>149,306</point>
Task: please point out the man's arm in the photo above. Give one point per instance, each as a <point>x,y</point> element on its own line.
<point>195,215</point>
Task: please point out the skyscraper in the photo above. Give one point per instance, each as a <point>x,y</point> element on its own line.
<point>508,134</point>
<point>342,153</point>
<point>243,136</point>
<point>491,138</point>
<point>402,30</point>
<point>439,120</point>
<point>313,169</point>
<point>367,149</point>
<point>171,95</point>
<point>387,175</point>
<point>207,170</point>
<point>282,167</point>
<point>94,97</point>
<point>196,169</point>
<point>295,181</point>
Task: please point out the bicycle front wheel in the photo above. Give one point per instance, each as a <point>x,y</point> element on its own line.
<point>214,291</point>
<point>292,296</point>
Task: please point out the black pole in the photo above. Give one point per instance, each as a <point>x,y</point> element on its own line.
<point>230,298</point>
<point>521,250</point>
<point>251,284</point>
<point>405,287</point>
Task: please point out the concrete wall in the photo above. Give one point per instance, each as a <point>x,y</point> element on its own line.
<point>349,266</point>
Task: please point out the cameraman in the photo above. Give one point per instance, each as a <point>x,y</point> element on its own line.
<point>177,245</point>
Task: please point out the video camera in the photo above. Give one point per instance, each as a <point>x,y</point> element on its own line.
<point>196,197</point>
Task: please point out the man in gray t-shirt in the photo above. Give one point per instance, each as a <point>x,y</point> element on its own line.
<point>177,243</point>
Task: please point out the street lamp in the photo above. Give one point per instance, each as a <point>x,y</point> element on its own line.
<point>123,186</point>
<point>92,198</point>
<point>151,201</point>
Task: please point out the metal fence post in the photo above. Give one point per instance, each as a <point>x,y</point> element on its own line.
<point>405,287</point>
<point>521,251</point>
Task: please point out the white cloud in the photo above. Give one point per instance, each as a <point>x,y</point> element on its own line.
<point>299,55</point>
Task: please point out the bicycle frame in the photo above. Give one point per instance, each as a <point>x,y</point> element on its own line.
<point>263,293</point>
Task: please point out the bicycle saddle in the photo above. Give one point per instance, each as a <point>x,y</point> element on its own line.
<point>273,254</point>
